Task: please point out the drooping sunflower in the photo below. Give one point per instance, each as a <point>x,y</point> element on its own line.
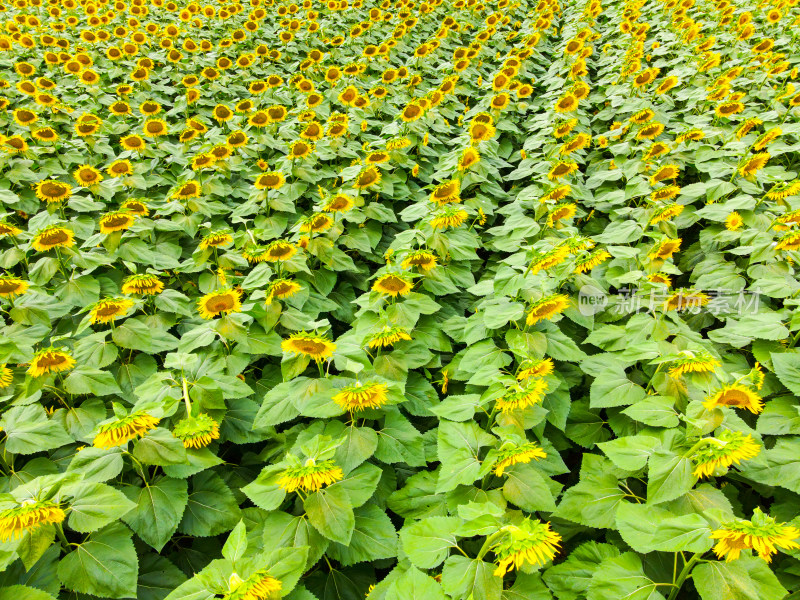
<point>50,360</point>
<point>11,287</point>
<point>387,337</point>
<point>116,221</point>
<point>259,586</point>
<point>521,399</point>
<point>51,191</point>
<point>684,299</point>
<point>664,249</point>
<point>421,259</point>
<point>310,476</point>
<point>222,301</point>
<point>308,344</point>
<point>124,429</point>
<point>665,213</point>
<point>6,376</point>
<point>143,284</point>
<point>693,362</point>
<point>562,169</point>
<point>339,203</point>
<point>531,542</point>
<point>533,369</point>
<point>561,212</point>
<point>281,289</point>
<point>29,516</point>
<point>54,236</point>
<point>762,534</point>
<point>588,262</point>
<point>790,241</point>
<point>358,397</point>
<point>542,261</point>
<point>109,309</point>
<point>547,307</point>
<point>650,131</point>
<point>448,216</point>
<point>196,432</point>
<point>721,452</point>
<point>754,164</point>
<point>514,455</point>
<point>393,285</point>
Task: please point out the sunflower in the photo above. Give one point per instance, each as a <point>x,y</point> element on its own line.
<point>564,128</point>
<point>116,221</point>
<point>469,158</point>
<point>567,103</point>
<point>650,131</point>
<point>24,117</point>
<point>50,360</point>
<point>547,308</point>
<point>733,221</point>
<point>665,249</point>
<point>154,128</point>
<point>15,144</point>
<point>736,395</point>
<point>561,212</point>
<point>531,542</point>
<point>311,476</point>
<point>51,191</point>
<point>557,193</point>
<point>412,112</point>
<point>307,344</point>
<point>480,131</point>
<point>6,376</point>
<point>533,369</point>
<point>190,189</point>
<point>421,259</point>
<point>387,337</point>
<point>684,299</point>
<point>665,173</point>
<point>357,397</point>
<point>762,534</point>
<point>142,285</point>
<point>729,448</point>
<point>54,236</point>
<point>281,289</point>
<point>449,216</point>
<point>10,287</point>
<point>447,192</point>
<point>513,455</point>
<point>665,213</point>
<point>727,109</point>
<point>562,169</point>
<point>368,177</point>
<point>591,260</point>
<point>338,203</point>
<point>27,517</point>
<point>660,278</point>
<point>747,126</point>
<point>392,285</point>
<point>225,300</point>
<point>45,134</point>
<point>133,143</point>
<point>216,240</point>
<point>7,229</point>
<point>300,149</point>
<point>666,85</point>
<point>120,168</point>
<point>754,164</point>
<point>124,429</point>
<point>767,138</point>
<point>542,261</point>
<point>701,362</point>
<point>278,251</point>
<point>523,398</point>
<point>259,586</point>
<point>316,223</point>
<point>87,176</point>
<point>107,311</point>
<point>196,432</point>
<point>665,193</point>
<point>135,207</point>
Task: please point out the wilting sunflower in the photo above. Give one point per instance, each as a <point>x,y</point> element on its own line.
<point>790,241</point>
<point>87,176</point>
<point>339,203</point>
<point>721,452</point>
<point>754,164</point>
<point>665,213</point>
<point>532,542</point>
<point>116,221</point>
<point>762,534</point>
<point>196,432</point>
<point>188,190</point>
<point>259,586</point>
<point>109,309</point>
<point>700,362</point>
<point>50,360</point>
<point>225,300</point>
<point>11,287</point>
<point>469,158</point>
<point>449,216</point>
<point>546,308</point>
<point>124,429</point>
<point>446,192</point>
<point>513,455</point>
<point>307,344</point>
<point>216,240</point>
<point>388,336</point>
<point>27,517</point>
<point>392,285</point>
<point>521,399</point>
<point>590,261</point>
<point>562,169</point>
<point>367,178</point>
<point>54,236</point>
<point>281,289</point>
<point>421,259</point>
<point>310,476</point>
<point>358,397</point>
<point>53,191</point>
<point>737,395</point>
<point>142,285</point>
<point>665,249</point>
<point>567,103</point>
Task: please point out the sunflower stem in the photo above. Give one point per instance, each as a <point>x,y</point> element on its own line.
<point>185,386</point>
<point>487,544</point>
<point>687,569</point>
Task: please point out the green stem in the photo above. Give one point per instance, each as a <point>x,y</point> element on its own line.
<point>687,569</point>
<point>186,400</point>
<point>487,545</point>
<point>62,536</point>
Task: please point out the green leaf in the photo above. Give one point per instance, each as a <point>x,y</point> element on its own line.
<point>95,505</point>
<point>87,380</point>
<point>670,477</point>
<point>330,512</point>
<point>656,411</point>
<point>23,592</point>
<point>158,510</point>
<point>787,368</point>
<point>264,490</point>
<point>96,464</point>
<point>459,447</point>
<point>630,452</point>
<point>651,528</point>
<point>374,538</point>
<point>622,577</point>
<point>570,579</point>
<point>415,584</point>
<point>236,544</point>
<point>28,430</point>
<point>528,489</point>
<point>747,578</point>
<point>427,542</point>
<point>157,577</point>
<point>212,508</point>
<point>287,531</point>
<point>159,447</point>
<point>613,388</point>
<point>105,565</point>
<point>463,577</point>
<point>592,502</point>
<point>360,484</point>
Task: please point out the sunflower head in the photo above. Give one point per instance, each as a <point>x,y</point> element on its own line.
<point>197,432</point>
<point>311,476</point>
<point>546,308</point>
<point>308,344</point>
<point>142,285</point>
<point>387,337</point>
<point>108,310</point>
<point>762,533</point>
<point>11,287</point>
<point>357,397</point>
<point>27,517</point>
<point>124,429</point>
<point>222,301</point>
<point>729,448</point>
<point>532,542</point>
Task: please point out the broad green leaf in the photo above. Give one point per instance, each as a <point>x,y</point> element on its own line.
<point>211,509</point>
<point>670,477</point>
<point>463,577</point>
<point>622,577</point>
<point>745,579</point>
<point>28,430</point>
<point>374,538</point>
<point>95,505</point>
<point>330,512</point>
<point>158,509</point>
<point>427,542</point>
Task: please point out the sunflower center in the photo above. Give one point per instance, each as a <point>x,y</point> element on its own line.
<point>155,127</point>
<point>393,284</point>
<point>733,398</point>
<point>309,346</point>
<point>50,360</point>
<point>55,237</point>
<point>116,221</point>
<point>53,190</point>
<point>120,168</point>
<point>7,286</point>
<point>278,251</point>
<point>189,188</point>
<point>219,303</point>
<point>109,310</point>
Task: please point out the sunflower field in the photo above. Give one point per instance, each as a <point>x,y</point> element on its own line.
<point>389,299</point>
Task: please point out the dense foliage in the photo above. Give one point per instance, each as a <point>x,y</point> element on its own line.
<point>400,299</point>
